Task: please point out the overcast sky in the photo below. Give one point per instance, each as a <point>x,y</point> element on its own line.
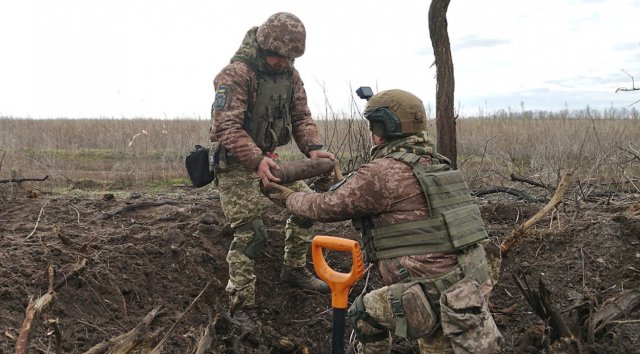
<point>134,58</point>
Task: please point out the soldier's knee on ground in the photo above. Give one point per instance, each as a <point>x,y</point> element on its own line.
<point>252,248</point>
<point>367,329</point>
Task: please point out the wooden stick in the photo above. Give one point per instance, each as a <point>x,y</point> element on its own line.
<point>20,180</point>
<point>131,207</point>
<point>614,308</point>
<point>514,192</point>
<point>127,342</point>
<point>38,220</point>
<point>34,309</point>
<point>516,178</point>
<point>555,200</point>
<point>57,335</point>
<point>76,269</point>
<point>158,347</point>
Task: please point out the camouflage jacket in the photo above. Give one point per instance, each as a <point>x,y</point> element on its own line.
<point>388,191</point>
<point>240,82</point>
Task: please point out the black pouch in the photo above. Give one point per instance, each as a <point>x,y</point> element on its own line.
<point>197,163</point>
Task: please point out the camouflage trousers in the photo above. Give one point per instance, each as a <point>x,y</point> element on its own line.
<point>240,197</point>
<point>466,323</point>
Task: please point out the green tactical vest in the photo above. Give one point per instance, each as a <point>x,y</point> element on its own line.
<point>269,122</point>
<point>454,222</point>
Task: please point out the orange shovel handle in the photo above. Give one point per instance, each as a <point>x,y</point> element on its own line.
<point>340,283</point>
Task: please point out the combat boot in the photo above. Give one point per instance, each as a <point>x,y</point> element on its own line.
<point>302,278</point>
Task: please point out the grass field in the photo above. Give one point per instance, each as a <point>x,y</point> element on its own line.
<point>599,147</point>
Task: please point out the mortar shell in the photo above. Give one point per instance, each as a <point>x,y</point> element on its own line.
<point>291,171</point>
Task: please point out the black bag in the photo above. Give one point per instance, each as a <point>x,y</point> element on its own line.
<point>197,163</point>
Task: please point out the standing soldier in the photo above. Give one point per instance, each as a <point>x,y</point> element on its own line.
<point>419,223</point>
<point>260,103</point>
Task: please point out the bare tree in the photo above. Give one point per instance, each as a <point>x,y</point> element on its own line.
<point>633,87</point>
<point>445,119</point>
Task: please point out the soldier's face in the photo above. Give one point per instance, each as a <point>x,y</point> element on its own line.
<point>277,62</point>
<point>376,140</point>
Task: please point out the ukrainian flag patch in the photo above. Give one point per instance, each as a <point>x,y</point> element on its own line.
<point>221,98</point>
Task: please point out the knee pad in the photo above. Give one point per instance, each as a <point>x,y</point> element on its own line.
<point>358,313</point>
<point>257,243</point>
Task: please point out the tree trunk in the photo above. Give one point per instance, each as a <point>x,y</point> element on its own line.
<point>445,119</point>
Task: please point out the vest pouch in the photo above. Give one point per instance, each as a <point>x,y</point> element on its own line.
<point>197,164</point>
<point>421,317</point>
<point>269,121</point>
<point>415,316</point>
<point>465,225</point>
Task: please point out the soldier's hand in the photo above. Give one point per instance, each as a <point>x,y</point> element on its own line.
<point>276,193</point>
<point>264,171</point>
<point>318,154</point>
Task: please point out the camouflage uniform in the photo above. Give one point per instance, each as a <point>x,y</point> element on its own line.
<point>388,190</point>
<point>239,155</point>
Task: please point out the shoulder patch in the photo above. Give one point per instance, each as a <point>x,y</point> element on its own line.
<point>221,98</point>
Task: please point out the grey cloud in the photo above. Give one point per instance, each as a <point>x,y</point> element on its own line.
<point>613,79</point>
<point>628,46</point>
<point>474,42</point>
<point>571,93</point>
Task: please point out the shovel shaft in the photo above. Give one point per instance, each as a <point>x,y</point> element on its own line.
<point>337,342</point>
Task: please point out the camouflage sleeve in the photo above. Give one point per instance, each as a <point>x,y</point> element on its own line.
<point>363,193</point>
<point>232,87</point>
<point>305,131</point>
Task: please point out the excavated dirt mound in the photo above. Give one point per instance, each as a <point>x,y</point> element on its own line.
<point>118,257</point>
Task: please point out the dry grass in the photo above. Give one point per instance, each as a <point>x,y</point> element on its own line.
<point>600,147</point>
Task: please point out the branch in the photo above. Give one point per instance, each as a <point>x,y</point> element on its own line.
<point>533,183</point>
<point>614,308</point>
<point>633,84</point>
<point>520,231</point>
<point>158,348</point>
<point>34,309</point>
<point>76,269</point>
<point>514,192</point>
<point>20,180</point>
<point>127,342</point>
<point>38,220</point>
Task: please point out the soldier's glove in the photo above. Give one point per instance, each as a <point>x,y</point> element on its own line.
<point>276,193</point>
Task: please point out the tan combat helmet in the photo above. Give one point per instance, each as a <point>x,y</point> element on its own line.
<point>284,34</point>
<point>395,114</point>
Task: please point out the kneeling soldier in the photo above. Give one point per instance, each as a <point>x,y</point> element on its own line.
<point>419,223</point>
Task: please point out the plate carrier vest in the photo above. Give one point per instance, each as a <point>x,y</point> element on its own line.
<point>454,220</point>
<point>269,122</point>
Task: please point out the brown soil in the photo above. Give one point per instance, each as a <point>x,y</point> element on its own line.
<point>167,246</point>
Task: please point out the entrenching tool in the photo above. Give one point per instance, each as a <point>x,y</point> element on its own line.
<point>340,283</point>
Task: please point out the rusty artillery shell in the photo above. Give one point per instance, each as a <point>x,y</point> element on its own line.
<point>291,171</point>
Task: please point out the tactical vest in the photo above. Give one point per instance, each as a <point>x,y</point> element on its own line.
<point>269,122</point>
<point>454,220</point>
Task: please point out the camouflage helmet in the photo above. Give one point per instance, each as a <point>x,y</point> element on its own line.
<point>395,114</point>
<point>284,34</point>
